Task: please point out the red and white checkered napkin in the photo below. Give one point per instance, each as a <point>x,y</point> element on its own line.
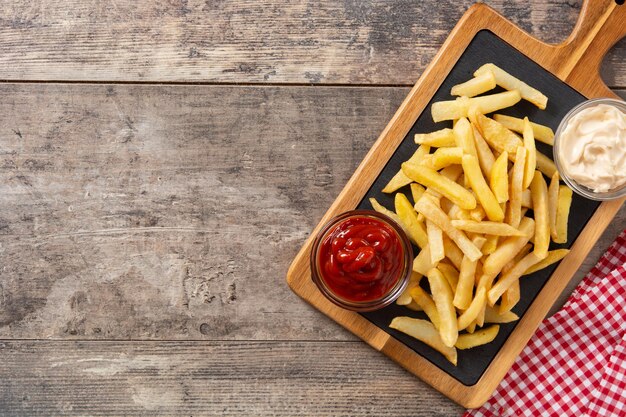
<point>575,364</point>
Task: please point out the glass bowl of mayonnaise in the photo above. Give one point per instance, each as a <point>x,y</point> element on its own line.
<point>590,149</point>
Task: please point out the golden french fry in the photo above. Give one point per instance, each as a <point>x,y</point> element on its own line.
<point>442,296</point>
<point>562,213</point>
<point>414,306</point>
<point>417,191</point>
<point>539,191</point>
<point>490,245</point>
<point>527,200</point>
<point>485,156</point>
<point>509,248</point>
<point>553,257</point>
<point>452,251</point>
<point>439,217</point>
<point>439,138</point>
<point>509,82</point>
<point>478,338</point>
<point>499,137</point>
<point>531,155</point>
<point>470,329</point>
<point>425,332</point>
<point>545,165</point>
<point>517,182</point>
<point>432,179</point>
<point>492,316</point>
<point>405,298</point>
<point>509,299</point>
<point>464,137</point>
<point>486,227</point>
<point>383,210</point>
<point>450,273</point>
<point>512,275</point>
<point>456,109</point>
<point>542,133</point>
<point>553,201</point>
<point>400,179</point>
<point>427,304</point>
<point>477,214</point>
<point>477,182</point>
<point>523,252</point>
<point>408,218</point>
<point>476,86</point>
<point>465,285</point>
<point>435,242</point>
<point>423,262</point>
<point>473,309</point>
<point>444,157</point>
<point>499,178</point>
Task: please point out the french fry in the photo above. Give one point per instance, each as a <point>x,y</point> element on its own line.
<point>539,191</point>
<point>512,275</point>
<point>510,298</point>
<point>494,263</point>
<point>465,285</point>
<point>527,200</point>
<point>477,181</point>
<point>423,262</point>
<point>478,338</point>
<point>486,227</point>
<point>408,218</point>
<point>452,251</point>
<point>499,178</point>
<point>509,82</point>
<point>432,179</point>
<point>427,304</point>
<point>553,201</point>
<point>485,156</point>
<point>417,191</point>
<point>473,309</point>
<point>414,306</point>
<point>477,214</point>
<point>492,316</point>
<point>444,157</point>
<point>491,244</point>
<point>464,137</point>
<point>456,109</point>
<point>531,155</point>
<point>475,86</point>
<point>439,217</point>
<point>553,257</point>
<point>562,213</point>
<point>383,210</point>
<point>425,332</point>
<point>545,165</point>
<point>400,179</point>
<point>517,182</point>
<point>542,133</point>
<point>435,241</point>
<point>499,137</point>
<point>442,296</point>
<point>523,252</point>
<point>450,273</point>
<point>405,298</point>
<point>439,138</point>
<point>470,329</point>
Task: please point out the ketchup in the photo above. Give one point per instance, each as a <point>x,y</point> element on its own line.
<point>361,259</point>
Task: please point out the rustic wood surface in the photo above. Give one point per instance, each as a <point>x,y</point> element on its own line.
<point>145,230</point>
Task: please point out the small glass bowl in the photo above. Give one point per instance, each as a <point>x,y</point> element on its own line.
<point>579,188</point>
<point>369,305</point>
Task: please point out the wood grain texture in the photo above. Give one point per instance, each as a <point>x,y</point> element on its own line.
<point>209,379</point>
<point>269,41</point>
<point>599,26</point>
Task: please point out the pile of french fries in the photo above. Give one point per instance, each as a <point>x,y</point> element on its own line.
<point>472,187</point>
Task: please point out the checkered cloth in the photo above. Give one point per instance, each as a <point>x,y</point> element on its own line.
<point>575,364</point>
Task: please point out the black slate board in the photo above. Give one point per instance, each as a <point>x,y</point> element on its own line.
<point>485,47</point>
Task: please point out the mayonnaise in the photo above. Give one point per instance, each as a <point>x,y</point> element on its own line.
<point>593,148</point>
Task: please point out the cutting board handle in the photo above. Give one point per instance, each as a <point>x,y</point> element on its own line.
<point>601,24</point>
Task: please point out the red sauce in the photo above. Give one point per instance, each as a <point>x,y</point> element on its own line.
<point>361,259</point>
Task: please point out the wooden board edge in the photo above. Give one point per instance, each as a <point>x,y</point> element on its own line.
<point>478,17</point>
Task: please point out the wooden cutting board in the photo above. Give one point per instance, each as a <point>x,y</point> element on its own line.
<point>567,73</point>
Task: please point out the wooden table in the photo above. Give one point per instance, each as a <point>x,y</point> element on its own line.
<point>160,165</point>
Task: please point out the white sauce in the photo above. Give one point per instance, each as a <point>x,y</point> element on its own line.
<point>593,148</point>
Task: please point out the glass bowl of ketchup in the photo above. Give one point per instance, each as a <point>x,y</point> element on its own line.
<point>361,260</point>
